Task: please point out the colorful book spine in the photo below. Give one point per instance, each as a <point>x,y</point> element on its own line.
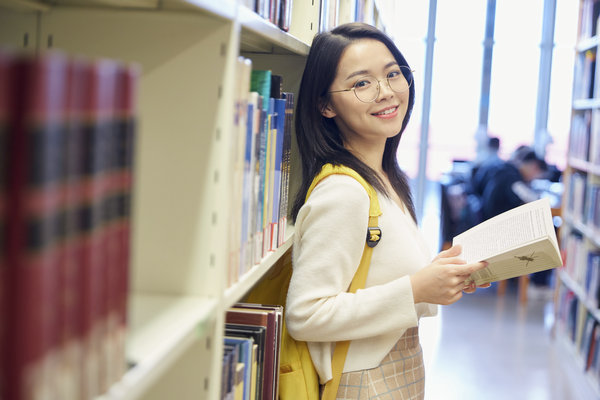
<point>268,178</point>
<point>286,164</point>
<point>277,171</point>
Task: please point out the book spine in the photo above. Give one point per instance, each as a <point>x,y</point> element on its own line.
<point>285,164</point>
<point>35,145</point>
<point>71,334</point>
<point>277,175</point>
<point>6,81</point>
<point>99,108</point>
<point>128,89</point>
<point>259,179</point>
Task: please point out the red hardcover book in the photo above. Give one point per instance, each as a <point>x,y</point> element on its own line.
<point>34,203</point>
<point>98,114</point>
<point>72,362</point>
<point>6,80</point>
<point>125,128</point>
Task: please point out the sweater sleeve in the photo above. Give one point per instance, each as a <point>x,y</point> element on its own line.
<point>330,237</point>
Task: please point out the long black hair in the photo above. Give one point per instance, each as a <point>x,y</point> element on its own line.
<point>319,139</point>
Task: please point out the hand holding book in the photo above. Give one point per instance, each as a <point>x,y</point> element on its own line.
<point>443,281</point>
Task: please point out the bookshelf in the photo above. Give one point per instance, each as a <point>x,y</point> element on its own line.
<point>577,327</point>
<point>187,50</point>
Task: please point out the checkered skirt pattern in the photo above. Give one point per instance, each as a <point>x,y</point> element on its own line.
<point>400,376</point>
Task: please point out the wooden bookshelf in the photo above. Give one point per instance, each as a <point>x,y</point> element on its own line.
<point>187,51</point>
<point>576,301</point>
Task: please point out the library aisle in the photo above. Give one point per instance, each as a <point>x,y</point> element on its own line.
<point>490,347</point>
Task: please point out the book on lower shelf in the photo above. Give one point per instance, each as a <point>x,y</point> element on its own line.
<point>250,316</point>
<point>517,242</point>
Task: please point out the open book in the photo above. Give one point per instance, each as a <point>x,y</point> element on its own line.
<point>517,242</point>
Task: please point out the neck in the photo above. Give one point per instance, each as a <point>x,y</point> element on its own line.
<point>371,155</point>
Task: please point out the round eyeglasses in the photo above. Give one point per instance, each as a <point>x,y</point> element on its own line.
<point>367,88</point>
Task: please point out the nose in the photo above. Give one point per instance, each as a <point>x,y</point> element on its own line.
<point>384,89</point>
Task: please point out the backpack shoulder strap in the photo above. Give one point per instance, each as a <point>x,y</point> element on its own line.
<point>330,169</point>
<point>360,277</point>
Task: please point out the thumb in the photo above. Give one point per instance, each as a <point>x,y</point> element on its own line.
<point>451,252</point>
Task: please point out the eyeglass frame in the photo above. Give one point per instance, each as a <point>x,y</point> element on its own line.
<point>353,88</point>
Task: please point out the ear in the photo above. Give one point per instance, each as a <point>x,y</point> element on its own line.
<point>327,111</point>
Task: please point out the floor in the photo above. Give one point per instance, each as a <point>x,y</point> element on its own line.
<point>490,347</point>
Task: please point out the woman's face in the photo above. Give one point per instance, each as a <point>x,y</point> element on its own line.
<point>366,123</point>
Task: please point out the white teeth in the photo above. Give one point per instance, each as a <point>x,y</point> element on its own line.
<point>389,111</point>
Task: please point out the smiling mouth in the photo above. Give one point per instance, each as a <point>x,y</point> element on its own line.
<point>387,111</point>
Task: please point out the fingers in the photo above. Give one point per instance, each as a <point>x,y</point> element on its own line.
<point>468,269</point>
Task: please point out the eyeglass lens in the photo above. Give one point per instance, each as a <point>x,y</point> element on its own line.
<point>367,88</point>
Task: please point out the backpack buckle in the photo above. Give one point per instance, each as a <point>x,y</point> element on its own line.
<point>373,236</point>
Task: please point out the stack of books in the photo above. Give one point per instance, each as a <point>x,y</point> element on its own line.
<point>251,352</point>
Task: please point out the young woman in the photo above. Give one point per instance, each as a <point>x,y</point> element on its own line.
<point>355,99</point>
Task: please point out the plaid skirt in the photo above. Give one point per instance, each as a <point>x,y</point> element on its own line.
<point>401,374</point>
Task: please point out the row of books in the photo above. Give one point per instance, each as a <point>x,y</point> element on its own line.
<point>261,167</point>
<point>251,352</point>
<point>579,138</point>
<point>582,329</point>
<point>278,12</point>
<point>582,264</point>
<point>331,12</point>
<point>67,131</point>
<point>585,75</point>
<point>589,12</point>
<point>583,200</point>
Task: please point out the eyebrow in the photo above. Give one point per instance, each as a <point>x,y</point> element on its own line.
<point>364,71</point>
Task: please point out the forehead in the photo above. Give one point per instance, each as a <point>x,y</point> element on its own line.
<point>364,55</point>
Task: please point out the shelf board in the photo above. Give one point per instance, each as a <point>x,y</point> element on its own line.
<point>225,9</point>
<point>261,36</point>
<point>580,293</point>
<point>162,328</point>
<point>250,278</point>
<point>586,104</point>
<point>579,164</point>
<point>24,5</point>
<point>589,232</point>
<point>587,44</point>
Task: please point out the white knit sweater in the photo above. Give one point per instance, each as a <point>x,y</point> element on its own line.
<point>330,234</point>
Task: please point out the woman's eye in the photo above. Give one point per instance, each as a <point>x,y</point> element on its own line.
<point>363,83</point>
<point>394,74</point>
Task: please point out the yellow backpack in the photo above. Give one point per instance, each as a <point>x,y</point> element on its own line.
<point>298,379</point>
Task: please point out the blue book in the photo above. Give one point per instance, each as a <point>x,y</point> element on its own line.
<point>279,132</point>
<point>244,346</point>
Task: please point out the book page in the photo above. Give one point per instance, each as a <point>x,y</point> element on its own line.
<point>534,257</point>
<point>518,242</point>
<point>509,230</point>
